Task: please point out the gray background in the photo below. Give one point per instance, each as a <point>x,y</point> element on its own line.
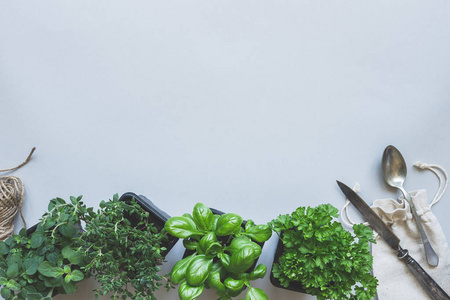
<point>252,107</point>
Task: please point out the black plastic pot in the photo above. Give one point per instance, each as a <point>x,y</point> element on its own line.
<point>293,286</point>
<point>156,216</point>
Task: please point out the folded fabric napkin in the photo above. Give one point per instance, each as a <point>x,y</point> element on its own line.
<point>396,281</point>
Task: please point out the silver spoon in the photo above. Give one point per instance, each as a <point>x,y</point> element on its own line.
<point>394,172</point>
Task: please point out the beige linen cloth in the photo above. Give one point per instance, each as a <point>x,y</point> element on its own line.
<point>395,280</point>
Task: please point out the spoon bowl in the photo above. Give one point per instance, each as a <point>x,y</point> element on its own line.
<point>394,167</point>
<point>394,173</point>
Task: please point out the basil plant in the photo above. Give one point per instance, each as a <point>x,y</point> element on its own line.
<point>224,252</point>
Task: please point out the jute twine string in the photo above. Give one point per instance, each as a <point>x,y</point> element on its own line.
<point>11,199</point>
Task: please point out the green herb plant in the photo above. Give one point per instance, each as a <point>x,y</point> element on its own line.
<point>326,259</point>
<point>125,250</point>
<point>119,246</point>
<point>36,265</point>
<point>223,253</point>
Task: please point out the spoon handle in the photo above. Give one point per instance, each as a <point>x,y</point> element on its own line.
<point>432,258</point>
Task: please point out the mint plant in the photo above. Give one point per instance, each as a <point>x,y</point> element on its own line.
<point>326,259</point>
<point>224,252</point>
<point>49,260</point>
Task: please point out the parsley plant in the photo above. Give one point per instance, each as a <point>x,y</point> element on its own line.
<point>326,259</point>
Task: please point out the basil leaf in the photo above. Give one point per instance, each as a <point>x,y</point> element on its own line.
<point>216,218</point>
<point>242,259</point>
<point>190,244</point>
<point>207,242</point>
<point>179,269</point>
<point>181,227</point>
<point>255,294</point>
<point>203,217</point>
<point>198,270</point>
<point>214,282</point>
<point>50,270</point>
<point>243,241</point>
<point>187,292</point>
<point>234,284</point>
<point>218,267</point>
<point>249,224</point>
<point>258,272</point>
<point>228,224</point>
<point>259,233</point>
<point>225,260</point>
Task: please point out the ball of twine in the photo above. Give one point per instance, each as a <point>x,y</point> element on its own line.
<point>11,199</point>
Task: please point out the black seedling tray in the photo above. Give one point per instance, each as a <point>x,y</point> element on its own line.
<point>293,286</point>
<point>156,216</point>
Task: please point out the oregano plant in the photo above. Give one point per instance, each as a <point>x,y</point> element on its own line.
<point>329,261</point>
<point>125,250</point>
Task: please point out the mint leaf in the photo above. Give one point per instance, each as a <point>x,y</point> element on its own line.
<point>73,256</point>
<point>69,287</point>
<point>5,292</point>
<point>13,270</point>
<point>37,239</point>
<point>77,275</point>
<point>30,265</point>
<point>50,270</point>
<point>67,230</point>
